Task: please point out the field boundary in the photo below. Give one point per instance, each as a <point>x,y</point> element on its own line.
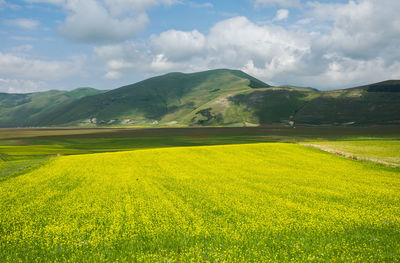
<point>24,168</point>
<point>349,155</point>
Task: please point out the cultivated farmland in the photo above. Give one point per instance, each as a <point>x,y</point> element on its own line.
<point>230,203</point>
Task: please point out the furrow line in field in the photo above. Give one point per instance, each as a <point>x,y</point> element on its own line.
<point>349,155</point>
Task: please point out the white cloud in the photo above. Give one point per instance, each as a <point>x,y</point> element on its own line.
<point>5,4</point>
<point>345,45</point>
<point>21,73</point>
<point>104,20</point>
<point>283,3</point>
<point>119,56</point>
<point>23,38</point>
<point>121,7</point>
<point>237,41</point>
<point>122,57</point>
<point>23,23</point>
<point>160,63</point>
<point>19,86</point>
<point>22,48</point>
<point>54,2</point>
<point>112,75</point>
<point>234,43</point>
<point>281,14</point>
<point>119,64</point>
<point>132,56</point>
<point>92,22</point>
<point>200,5</point>
<point>362,30</point>
<point>190,43</point>
<point>304,21</point>
<point>346,72</point>
<point>20,67</point>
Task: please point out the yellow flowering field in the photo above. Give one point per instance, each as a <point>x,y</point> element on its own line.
<point>234,203</point>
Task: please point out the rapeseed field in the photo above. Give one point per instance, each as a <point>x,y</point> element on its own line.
<point>234,203</point>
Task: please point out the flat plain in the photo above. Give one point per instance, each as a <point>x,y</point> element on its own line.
<point>199,195</point>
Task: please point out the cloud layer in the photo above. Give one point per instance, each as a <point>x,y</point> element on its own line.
<point>330,45</point>
<point>350,49</point>
<point>19,73</point>
<point>96,21</point>
<point>23,23</point>
<point>283,3</point>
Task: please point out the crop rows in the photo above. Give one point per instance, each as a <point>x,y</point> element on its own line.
<point>237,203</point>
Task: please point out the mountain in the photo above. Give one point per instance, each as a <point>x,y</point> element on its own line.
<point>202,98</point>
<point>26,109</point>
<point>377,103</point>
<point>220,97</point>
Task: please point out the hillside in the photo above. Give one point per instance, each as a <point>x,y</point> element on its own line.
<point>220,97</point>
<point>25,109</point>
<point>203,98</point>
<point>377,103</point>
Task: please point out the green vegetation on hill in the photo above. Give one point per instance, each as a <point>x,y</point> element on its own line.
<point>372,104</point>
<point>275,105</point>
<point>26,109</point>
<point>219,97</point>
<point>385,86</point>
<point>171,99</point>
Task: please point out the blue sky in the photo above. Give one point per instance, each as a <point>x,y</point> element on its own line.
<point>105,44</point>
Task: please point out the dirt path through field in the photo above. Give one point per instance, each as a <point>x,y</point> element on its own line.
<point>349,155</point>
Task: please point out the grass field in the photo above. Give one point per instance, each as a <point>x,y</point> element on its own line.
<point>134,196</point>
<point>387,152</point>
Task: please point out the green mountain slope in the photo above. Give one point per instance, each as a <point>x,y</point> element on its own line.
<point>372,104</point>
<point>201,98</point>
<point>220,97</point>
<point>25,109</point>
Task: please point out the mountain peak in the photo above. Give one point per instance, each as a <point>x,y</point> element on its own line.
<point>218,97</point>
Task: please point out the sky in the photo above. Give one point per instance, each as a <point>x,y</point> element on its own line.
<point>105,44</point>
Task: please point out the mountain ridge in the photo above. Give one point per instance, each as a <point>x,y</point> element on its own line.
<point>17,108</point>
<point>220,97</point>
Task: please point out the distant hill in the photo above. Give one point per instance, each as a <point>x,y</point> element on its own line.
<point>385,86</point>
<point>202,98</point>
<point>220,97</point>
<point>25,109</point>
<point>377,103</point>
